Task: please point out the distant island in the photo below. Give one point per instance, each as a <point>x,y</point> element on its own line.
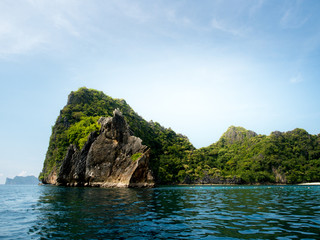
<point>93,125</point>
<point>18,180</point>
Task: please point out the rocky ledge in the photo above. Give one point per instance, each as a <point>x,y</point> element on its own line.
<point>110,158</point>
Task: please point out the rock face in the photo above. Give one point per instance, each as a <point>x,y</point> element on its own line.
<point>236,134</point>
<point>110,158</point>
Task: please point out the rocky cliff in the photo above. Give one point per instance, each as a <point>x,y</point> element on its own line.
<point>109,158</point>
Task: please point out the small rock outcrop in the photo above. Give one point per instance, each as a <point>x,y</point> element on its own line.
<point>110,158</point>
<point>236,134</point>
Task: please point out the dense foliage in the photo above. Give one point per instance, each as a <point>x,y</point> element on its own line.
<point>290,157</point>
<point>78,132</point>
<point>240,155</point>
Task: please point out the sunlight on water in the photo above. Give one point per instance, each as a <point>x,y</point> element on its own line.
<point>180,212</point>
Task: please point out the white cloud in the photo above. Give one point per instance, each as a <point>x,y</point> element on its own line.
<point>62,22</point>
<point>172,17</point>
<point>292,18</point>
<point>33,26</point>
<point>16,36</point>
<point>133,10</point>
<point>296,79</point>
<point>17,42</point>
<point>221,26</point>
<point>1,174</point>
<point>23,174</point>
<point>256,7</point>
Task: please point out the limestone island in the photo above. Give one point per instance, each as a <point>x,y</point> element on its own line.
<point>20,180</point>
<point>101,141</point>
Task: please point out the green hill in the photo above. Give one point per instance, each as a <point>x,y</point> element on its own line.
<point>240,155</point>
<point>289,157</point>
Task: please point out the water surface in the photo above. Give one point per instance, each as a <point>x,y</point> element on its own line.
<point>177,212</point>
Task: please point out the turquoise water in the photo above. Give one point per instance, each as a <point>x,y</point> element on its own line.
<point>178,212</point>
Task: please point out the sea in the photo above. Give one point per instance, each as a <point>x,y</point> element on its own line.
<point>164,212</point>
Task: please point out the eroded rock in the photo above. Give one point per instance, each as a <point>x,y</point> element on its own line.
<point>110,158</point>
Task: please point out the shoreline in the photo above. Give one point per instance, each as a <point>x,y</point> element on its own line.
<point>208,184</point>
<point>310,184</point>
<point>253,184</point>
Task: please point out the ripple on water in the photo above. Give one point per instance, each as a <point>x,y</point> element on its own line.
<point>188,212</point>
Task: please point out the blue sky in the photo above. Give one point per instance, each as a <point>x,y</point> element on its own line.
<point>195,66</point>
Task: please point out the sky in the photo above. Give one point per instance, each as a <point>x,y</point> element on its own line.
<point>195,66</point>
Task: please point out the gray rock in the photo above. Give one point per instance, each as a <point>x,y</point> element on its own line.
<point>106,158</point>
<point>236,134</point>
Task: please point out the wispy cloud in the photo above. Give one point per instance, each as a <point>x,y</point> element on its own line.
<point>31,26</point>
<point>221,26</point>
<point>172,17</point>
<point>62,22</point>
<point>292,17</point>
<point>15,41</point>
<point>256,7</point>
<point>296,79</point>
<point>16,34</point>
<point>23,174</point>
<point>132,10</point>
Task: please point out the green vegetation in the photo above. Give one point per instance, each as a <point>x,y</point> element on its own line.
<point>135,156</point>
<point>78,132</point>
<point>290,157</point>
